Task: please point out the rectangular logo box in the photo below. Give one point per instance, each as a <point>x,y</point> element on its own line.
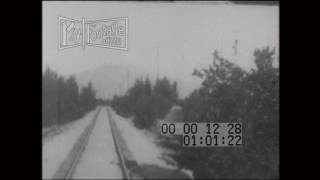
<point>107,33</point>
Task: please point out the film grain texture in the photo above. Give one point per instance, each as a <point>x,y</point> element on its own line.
<point>160,90</point>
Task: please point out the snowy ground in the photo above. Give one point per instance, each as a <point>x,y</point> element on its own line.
<point>56,148</point>
<point>99,159</point>
<point>51,132</point>
<point>142,145</point>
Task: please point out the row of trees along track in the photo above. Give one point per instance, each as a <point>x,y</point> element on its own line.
<point>62,99</point>
<point>227,94</point>
<point>230,94</point>
<point>146,102</point>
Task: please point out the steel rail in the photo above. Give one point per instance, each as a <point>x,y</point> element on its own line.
<point>67,167</point>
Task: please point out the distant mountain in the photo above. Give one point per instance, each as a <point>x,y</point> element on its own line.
<point>112,79</point>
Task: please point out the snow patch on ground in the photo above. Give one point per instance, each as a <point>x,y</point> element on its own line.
<point>53,131</point>
<point>141,146</point>
<point>187,172</point>
<point>56,148</point>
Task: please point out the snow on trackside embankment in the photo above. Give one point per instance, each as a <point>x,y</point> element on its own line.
<point>55,150</point>
<point>142,147</point>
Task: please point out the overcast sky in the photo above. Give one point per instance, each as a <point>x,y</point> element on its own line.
<point>187,34</point>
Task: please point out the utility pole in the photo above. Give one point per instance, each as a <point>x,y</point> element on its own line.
<point>235,47</point>
<point>120,89</point>
<point>157,63</point>
<point>105,77</point>
<point>157,59</point>
<point>128,74</point>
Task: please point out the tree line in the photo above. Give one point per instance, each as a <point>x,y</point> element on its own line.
<point>146,102</point>
<point>230,94</point>
<point>62,99</point>
<point>227,94</point>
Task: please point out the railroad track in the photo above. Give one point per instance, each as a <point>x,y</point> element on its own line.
<point>129,166</point>
<point>67,167</point>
